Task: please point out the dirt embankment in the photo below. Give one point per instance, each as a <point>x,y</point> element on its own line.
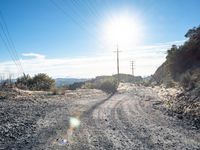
<point>180,103</point>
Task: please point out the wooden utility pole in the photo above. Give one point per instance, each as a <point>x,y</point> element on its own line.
<point>117,63</point>
<point>132,67</point>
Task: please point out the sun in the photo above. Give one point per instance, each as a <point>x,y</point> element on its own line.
<point>124,30</point>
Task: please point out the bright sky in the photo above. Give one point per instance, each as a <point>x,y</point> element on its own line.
<point>76,38</point>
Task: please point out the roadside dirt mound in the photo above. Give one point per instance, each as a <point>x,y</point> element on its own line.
<point>9,93</point>
<point>187,105</point>
<point>184,105</point>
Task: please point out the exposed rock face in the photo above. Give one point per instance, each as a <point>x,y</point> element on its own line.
<point>162,74</point>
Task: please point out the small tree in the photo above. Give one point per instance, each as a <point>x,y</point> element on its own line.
<point>24,82</point>
<point>42,81</point>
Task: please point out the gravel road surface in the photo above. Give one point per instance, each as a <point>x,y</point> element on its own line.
<point>90,119</point>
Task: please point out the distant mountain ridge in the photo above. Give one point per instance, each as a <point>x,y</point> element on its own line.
<point>68,81</point>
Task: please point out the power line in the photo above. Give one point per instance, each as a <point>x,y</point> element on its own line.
<point>6,45</point>
<point>80,25</point>
<point>9,44</point>
<point>11,41</point>
<point>10,53</point>
<point>92,11</point>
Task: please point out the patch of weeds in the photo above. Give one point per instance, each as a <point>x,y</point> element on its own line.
<point>3,95</point>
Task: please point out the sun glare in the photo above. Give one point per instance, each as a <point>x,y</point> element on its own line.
<point>124,30</point>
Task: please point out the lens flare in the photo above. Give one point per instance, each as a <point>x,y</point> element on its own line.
<point>67,138</point>
<point>74,122</point>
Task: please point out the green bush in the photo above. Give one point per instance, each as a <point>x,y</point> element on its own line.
<point>88,85</point>
<point>24,82</point>
<point>108,86</point>
<point>76,85</point>
<point>40,81</point>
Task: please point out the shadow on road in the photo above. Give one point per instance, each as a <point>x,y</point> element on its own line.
<point>96,105</point>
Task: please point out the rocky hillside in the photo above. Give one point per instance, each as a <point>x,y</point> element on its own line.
<point>182,70</point>
<point>182,62</point>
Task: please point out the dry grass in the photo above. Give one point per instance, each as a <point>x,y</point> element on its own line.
<point>58,91</point>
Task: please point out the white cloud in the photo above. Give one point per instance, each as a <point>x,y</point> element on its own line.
<point>147,60</point>
<point>34,55</point>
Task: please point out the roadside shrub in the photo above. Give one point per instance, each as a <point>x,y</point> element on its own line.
<point>40,81</point>
<point>89,85</point>
<point>76,85</point>
<point>3,95</point>
<point>146,83</point>
<point>54,91</point>
<point>24,82</point>
<point>186,81</point>
<point>58,91</point>
<point>169,83</point>
<point>108,86</point>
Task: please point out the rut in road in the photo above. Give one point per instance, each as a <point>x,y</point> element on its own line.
<point>128,120</point>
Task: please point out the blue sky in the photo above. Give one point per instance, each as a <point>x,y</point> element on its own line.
<point>72,33</point>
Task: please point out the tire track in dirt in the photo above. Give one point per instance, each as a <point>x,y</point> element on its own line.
<point>105,119</point>
<point>96,138</point>
<point>155,129</point>
<point>130,118</point>
<point>128,121</point>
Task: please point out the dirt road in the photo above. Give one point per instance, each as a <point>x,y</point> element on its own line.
<point>129,119</point>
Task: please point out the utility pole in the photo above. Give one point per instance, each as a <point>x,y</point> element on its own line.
<point>117,63</point>
<point>132,67</point>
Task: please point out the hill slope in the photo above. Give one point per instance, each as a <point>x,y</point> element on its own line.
<point>182,62</point>
<point>182,68</point>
